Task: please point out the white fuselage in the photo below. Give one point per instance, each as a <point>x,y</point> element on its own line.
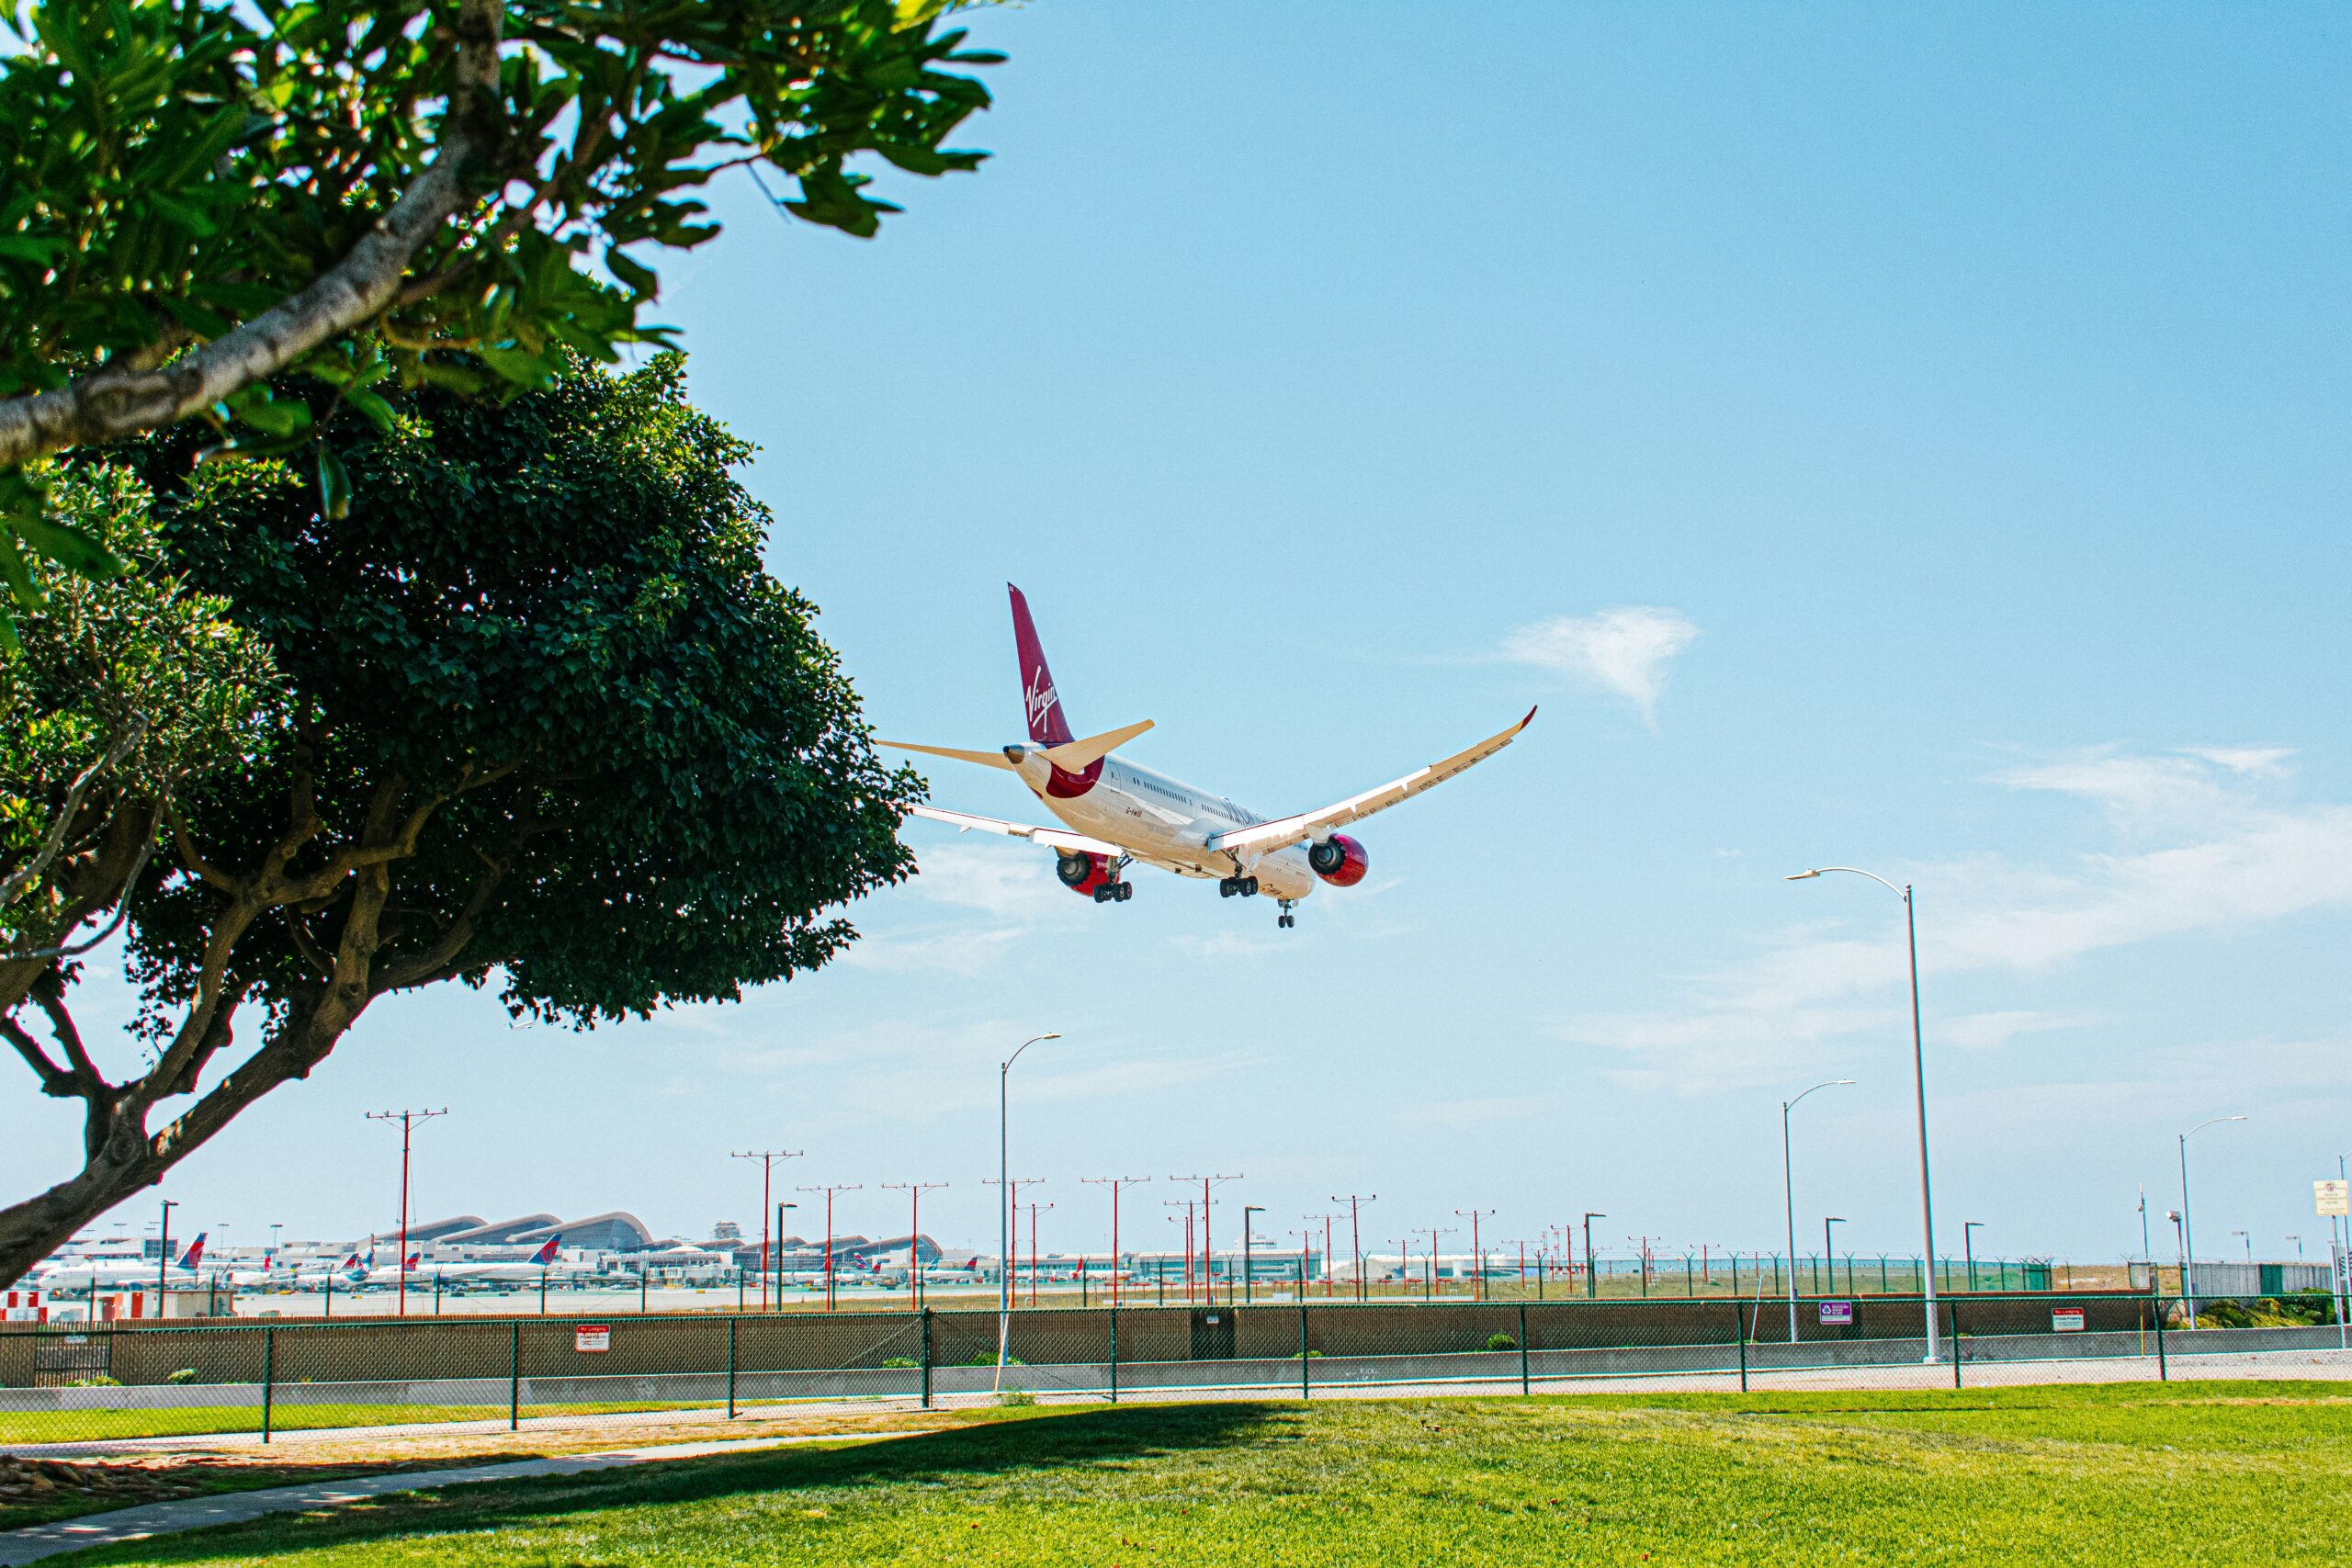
<point>1169,823</point>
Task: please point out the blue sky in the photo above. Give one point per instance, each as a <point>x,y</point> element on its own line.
<point>1913,440</point>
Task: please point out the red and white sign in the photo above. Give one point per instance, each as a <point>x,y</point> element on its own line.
<point>591,1337</point>
<point>24,1306</point>
<point>2066,1320</point>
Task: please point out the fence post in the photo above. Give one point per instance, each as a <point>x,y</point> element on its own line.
<point>1522,1347</point>
<point>1955,1344</point>
<point>1739,1332</point>
<point>731,1323</point>
<point>926,1357</point>
<point>514,1375</point>
<point>1114,1351</point>
<point>2163,1372</point>
<point>1306,1388</point>
<point>269,1377</point>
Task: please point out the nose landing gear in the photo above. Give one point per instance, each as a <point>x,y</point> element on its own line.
<point>1287,919</point>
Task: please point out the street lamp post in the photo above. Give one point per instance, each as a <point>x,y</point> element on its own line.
<point>1247,1210</point>
<point>1004,1216</point>
<point>1788,1197</point>
<point>1592,1279</point>
<point>1968,1229</point>
<point>1919,1082</point>
<point>2187,1227</point>
<point>1829,1255</point>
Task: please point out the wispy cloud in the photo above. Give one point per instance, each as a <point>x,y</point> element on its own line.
<point>1456,1114</point>
<point>2234,863</point>
<point>974,900</point>
<point>1622,651</point>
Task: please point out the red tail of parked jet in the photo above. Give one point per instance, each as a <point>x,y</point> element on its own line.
<point>1116,813</point>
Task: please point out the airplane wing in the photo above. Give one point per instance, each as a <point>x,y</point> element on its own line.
<point>1052,838</point>
<point>1264,838</point>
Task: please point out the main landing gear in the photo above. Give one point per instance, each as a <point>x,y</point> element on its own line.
<point>1115,892</point>
<point>1237,887</point>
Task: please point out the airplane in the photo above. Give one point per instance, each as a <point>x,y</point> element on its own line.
<point>104,1272</point>
<point>1116,814</point>
<point>358,1274</point>
<point>526,1271</point>
<point>350,1269</point>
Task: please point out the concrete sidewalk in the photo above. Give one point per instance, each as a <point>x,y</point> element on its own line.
<point>37,1541</point>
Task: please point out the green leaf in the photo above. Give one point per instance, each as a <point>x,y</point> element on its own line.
<point>642,281</point>
<point>69,547</point>
<point>39,249</point>
<point>335,485</point>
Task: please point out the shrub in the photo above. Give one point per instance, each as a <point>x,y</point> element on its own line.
<point>896,1361</point>
<point>1501,1342</point>
<point>185,1374</point>
<point>1016,1399</point>
<point>987,1359</point>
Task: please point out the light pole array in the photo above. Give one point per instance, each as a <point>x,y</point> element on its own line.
<point>1919,1082</point>
<point>1355,1200</point>
<point>1004,1231</point>
<point>408,1121</point>
<point>1788,1199</point>
<point>2187,1227</point>
<point>768,1158</point>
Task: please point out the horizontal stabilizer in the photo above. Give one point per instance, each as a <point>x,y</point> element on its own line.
<point>1077,756</point>
<point>985,758</point>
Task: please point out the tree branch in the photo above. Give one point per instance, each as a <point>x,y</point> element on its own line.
<point>54,1080</point>
<point>22,878</point>
<point>118,401</point>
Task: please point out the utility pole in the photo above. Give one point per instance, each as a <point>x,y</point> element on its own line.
<point>829,1192</point>
<point>1208,1251</point>
<point>1033,1207</point>
<point>914,1190</point>
<point>768,1158</point>
<point>1306,1255</point>
<point>1114,1183</point>
<point>1008,1269</point>
<point>1591,1278</point>
<point>1477,1258</point>
<point>1431,1279</point>
<point>1185,1204</point>
<point>408,1121</point>
<point>1328,1220</point>
<point>1355,1230</point>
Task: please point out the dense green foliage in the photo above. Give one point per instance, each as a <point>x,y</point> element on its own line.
<point>142,670</point>
<point>547,625</point>
<point>2217,1473</point>
<point>204,195</point>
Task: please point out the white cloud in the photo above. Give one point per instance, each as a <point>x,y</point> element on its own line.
<point>2244,759</point>
<point>1623,651</point>
<point>1813,994</point>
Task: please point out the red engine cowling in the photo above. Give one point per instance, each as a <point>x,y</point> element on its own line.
<point>1083,873</point>
<point>1338,859</point>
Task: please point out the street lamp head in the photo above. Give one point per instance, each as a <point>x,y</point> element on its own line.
<point>1802,875</point>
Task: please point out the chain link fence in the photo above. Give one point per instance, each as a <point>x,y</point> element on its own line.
<point>79,1385</point>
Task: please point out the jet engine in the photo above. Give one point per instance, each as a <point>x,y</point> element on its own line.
<point>1082,873</point>
<point>1338,859</point>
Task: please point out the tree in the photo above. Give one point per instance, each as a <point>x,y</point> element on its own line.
<point>205,197</point>
<point>549,727</point>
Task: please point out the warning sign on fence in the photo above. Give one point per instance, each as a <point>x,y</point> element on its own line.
<point>591,1337</point>
<point>1838,1314</point>
<point>2066,1320</point>
<point>2332,1199</point>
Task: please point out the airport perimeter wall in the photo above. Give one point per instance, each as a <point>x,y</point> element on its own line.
<point>75,1384</point>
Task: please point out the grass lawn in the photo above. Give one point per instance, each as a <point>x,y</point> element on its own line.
<point>2197,1473</point>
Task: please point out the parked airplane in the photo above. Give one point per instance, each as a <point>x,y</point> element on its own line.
<point>1117,812</point>
<point>524,1271</point>
<point>347,1272</point>
<point>103,1272</point>
<point>367,1274</point>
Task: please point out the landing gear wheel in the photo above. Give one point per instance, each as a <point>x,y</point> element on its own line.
<point>1248,888</point>
<point>1225,887</point>
<point>1287,919</point>
<point>1126,891</point>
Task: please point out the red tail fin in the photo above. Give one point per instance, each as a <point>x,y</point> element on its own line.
<point>1047,726</point>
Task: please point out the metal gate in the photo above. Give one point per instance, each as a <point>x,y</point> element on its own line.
<point>61,1358</point>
